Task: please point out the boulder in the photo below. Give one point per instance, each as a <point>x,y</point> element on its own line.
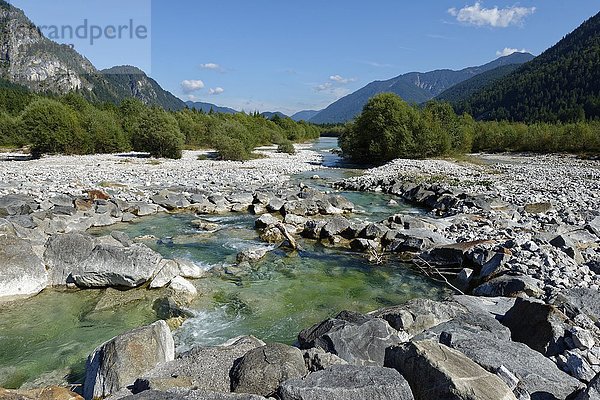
<point>17,204</point>
<point>252,254</point>
<point>170,200</point>
<point>341,202</point>
<point>495,266</point>
<point>317,359</point>
<point>510,286</point>
<point>579,301</point>
<point>186,394</point>
<point>206,368</point>
<point>313,228</point>
<point>22,272</point>
<point>348,382</point>
<point>538,375</point>
<point>594,226</point>
<point>419,315</point>
<point>81,259</point>
<point>47,393</point>
<point>265,221</point>
<point>263,369</point>
<point>117,363</point>
<point>357,339</point>
<point>435,371</point>
<point>334,227</point>
<point>182,290</point>
<point>538,325</point>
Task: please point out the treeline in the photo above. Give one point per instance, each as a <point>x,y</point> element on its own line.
<point>389,128</point>
<point>71,125</point>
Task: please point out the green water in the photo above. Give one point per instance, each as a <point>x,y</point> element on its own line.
<point>52,334</point>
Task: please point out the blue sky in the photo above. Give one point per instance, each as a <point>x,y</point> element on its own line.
<point>289,55</point>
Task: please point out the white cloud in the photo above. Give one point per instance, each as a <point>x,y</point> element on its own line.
<point>216,91</point>
<point>495,17</point>
<point>190,86</point>
<point>323,87</point>
<point>212,66</point>
<point>191,97</point>
<point>341,80</point>
<point>508,51</point>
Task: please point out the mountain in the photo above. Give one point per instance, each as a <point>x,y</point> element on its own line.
<point>561,84</point>
<point>414,87</point>
<point>466,89</point>
<point>269,115</point>
<point>305,115</point>
<point>206,107</point>
<point>29,59</point>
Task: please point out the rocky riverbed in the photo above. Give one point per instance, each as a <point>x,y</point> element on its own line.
<point>517,237</point>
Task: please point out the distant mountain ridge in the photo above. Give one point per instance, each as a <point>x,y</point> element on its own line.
<point>206,107</point>
<point>305,115</point>
<point>561,84</point>
<point>30,59</point>
<point>413,87</point>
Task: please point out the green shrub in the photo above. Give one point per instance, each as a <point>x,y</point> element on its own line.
<point>231,149</point>
<point>53,127</point>
<point>286,147</point>
<point>158,134</point>
<point>105,132</point>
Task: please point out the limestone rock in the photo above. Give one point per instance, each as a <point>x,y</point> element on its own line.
<point>22,272</point>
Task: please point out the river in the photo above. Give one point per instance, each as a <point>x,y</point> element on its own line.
<point>51,334</point>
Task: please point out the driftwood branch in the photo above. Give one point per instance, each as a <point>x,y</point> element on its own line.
<point>435,273</point>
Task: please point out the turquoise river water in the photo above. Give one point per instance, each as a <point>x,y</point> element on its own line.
<point>50,335</point>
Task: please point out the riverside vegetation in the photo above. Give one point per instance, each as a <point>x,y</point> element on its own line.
<point>389,128</point>
<point>71,125</point>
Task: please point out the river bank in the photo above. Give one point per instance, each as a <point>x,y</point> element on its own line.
<point>505,226</point>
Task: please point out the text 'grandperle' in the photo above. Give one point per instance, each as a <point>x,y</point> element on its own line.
<point>94,33</point>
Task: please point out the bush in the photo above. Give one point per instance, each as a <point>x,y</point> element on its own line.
<point>53,127</point>
<point>158,134</point>
<point>231,149</point>
<point>286,147</point>
<point>105,132</point>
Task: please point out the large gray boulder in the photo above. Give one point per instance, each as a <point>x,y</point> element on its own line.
<point>435,371</point>
<point>263,369</point>
<point>117,363</point>
<point>22,273</point>
<point>357,339</point>
<point>90,263</point>
<point>17,204</point>
<point>419,315</point>
<point>348,382</point>
<point>540,326</point>
<point>510,286</point>
<point>538,375</point>
<point>206,368</point>
<point>186,394</point>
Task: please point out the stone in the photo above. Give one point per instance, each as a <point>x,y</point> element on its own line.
<point>348,382</point>
<point>594,226</point>
<point>580,301</point>
<point>341,202</point>
<point>275,205</point>
<point>46,393</point>
<point>182,290</point>
<point>372,231</point>
<point>22,272</point>
<point>17,204</point>
<point>252,254</point>
<point>263,369</point>
<point>170,200</point>
<point>537,374</point>
<point>142,209</point>
<point>187,394</point>
<point>359,340</point>
<point>334,227</point>
<point>592,392</point>
<point>418,315</point>
<point>317,359</point>
<point>538,208</point>
<point>510,286</point>
<point>582,339</point>
<point>494,267</point>
<point>313,228</point>
<point>495,306</point>
<point>117,363</point>
<point>538,325</point>
<point>206,368</point>
<point>577,365</point>
<point>435,371</point>
<point>265,221</point>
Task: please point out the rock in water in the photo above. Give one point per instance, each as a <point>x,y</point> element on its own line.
<point>22,273</point>
<point>262,370</point>
<point>117,363</point>
<point>348,382</point>
<point>435,371</point>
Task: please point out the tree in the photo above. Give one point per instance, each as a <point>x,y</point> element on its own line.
<point>53,127</point>
<point>158,134</point>
<point>104,130</point>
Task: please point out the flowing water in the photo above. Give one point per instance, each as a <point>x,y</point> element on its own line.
<point>51,334</point>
